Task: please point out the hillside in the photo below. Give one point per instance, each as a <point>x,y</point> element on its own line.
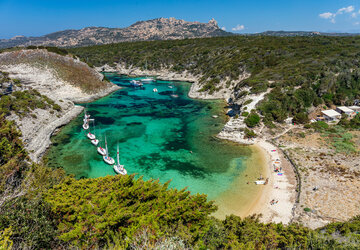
<point>299,73</point>
<point>155,29</point>
<point>59,81</point>
<point>42,208</point>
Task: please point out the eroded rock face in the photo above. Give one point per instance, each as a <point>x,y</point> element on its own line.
<point>155,29</point>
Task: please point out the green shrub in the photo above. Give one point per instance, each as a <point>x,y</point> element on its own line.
<point>252,120</point>
<point>301,118</point>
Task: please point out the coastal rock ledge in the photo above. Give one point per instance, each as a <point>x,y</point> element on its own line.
<point>38,126</point>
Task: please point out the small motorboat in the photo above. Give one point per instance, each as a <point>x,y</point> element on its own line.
<point>147,80</point>
<point>175,96</point>
<point>262,182</point>
<point>155,90</point>
<point>85,126</point>
<point>119,169</point>
<point>101,151</point>
<point>170,86</point>
<point>91,136</point>
<point>136,83</point>
<point>95,142</point>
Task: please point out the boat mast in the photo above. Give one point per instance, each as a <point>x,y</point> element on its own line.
<point>118,157</point>
<point>107,154</point>
<point>94,126</point>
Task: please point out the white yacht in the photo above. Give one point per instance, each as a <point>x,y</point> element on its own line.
<point>119,169</point>
<point>107,159</point>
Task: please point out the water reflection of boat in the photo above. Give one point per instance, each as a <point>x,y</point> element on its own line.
<point>119,169</point>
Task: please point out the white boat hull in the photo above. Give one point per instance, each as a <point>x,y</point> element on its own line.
<point>101,151</point>
<point>85,126</point>
<point>147,80</point>
<point>119,169</point>
<point>109,160</point>
<point>91,136</point>
<point>260,182</point>
<point>95,142</point>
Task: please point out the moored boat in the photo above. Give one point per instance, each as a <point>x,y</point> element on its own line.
<point>107,159</point>
<point>95,142</point>
<point>136,83</point>
<point>147,80</point>
<point>85,126</point>
<point>119,169</point>
<point>101,151</point>
<point>155,90</point>
<point>91,136</point>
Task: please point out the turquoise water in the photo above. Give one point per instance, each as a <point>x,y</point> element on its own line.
<point>159,136</point>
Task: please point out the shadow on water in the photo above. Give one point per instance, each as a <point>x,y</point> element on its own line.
<point>183,168</point>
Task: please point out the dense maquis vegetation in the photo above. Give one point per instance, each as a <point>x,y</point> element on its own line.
<point>41,208</point>
<point>302,71</point>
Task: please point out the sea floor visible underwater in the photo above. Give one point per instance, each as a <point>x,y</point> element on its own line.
<point>163,137</point>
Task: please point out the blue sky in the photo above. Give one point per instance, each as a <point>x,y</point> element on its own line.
<point>40,17</point>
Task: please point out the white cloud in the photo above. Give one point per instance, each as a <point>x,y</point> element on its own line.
<point>238,27</point>
<point>327,15</point>
<point>348,9</point>
<point>223,28</point>
<point>331,16</point>
<point>356,23</point>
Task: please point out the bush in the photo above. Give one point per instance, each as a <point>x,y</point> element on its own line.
<point>252,120</point>
<point>301,118</point>
<point>249,133</point>
<point>120,205</point>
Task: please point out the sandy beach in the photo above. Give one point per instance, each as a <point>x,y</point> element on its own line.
<point>280,188</point>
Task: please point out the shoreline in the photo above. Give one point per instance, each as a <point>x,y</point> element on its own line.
<point>37,129</point>
<point>45,127</point>
<point>285,190</point>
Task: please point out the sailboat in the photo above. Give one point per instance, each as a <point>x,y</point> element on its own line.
<point>90,135</point>
<point>94,141</point>
<point>86,121</point>
<point>119,169</point>
<point>147,79</point>
<point>86,124</point>
<point>102,151</point>
<point>106,157</point>
<point>173,92</point>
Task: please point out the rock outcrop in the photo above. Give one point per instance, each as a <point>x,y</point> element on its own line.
<point>49,79</point>
<point>155,29</point>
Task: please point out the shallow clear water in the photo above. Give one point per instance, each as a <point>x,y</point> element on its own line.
<point>159,136</point>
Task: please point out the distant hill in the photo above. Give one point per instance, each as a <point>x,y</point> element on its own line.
<point>155,29</point>
<point>303,33</point>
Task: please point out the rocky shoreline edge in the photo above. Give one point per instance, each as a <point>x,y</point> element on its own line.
<point>281,188</point>
<point>43,138</point>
